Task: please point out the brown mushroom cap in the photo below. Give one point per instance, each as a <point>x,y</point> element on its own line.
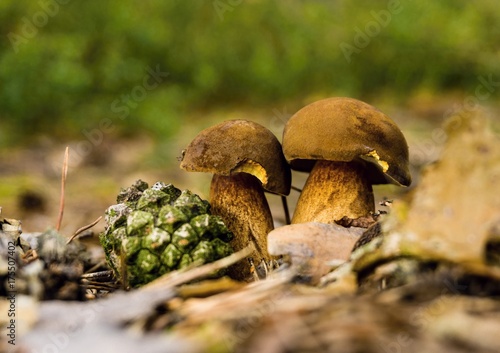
<point>343,130</point>
<point>240,146</point>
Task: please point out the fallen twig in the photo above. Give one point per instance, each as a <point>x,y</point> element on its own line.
<point>84,228</point>
<point>63,185</point>
<point>285,209</point>
<point>176,278</point>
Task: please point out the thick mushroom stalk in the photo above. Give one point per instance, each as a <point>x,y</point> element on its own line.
<point>239,199</point>
<point>334,190</point>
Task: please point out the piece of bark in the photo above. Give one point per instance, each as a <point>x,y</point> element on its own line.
<point>362,222</point>
<point>454,207</point>
<point>375,230</point>
<point>457,200</point>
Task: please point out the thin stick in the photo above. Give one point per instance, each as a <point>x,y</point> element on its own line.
<point>63,186</point>
<point>84,228</point>
<point>95,267</point>
<point>285,208</point>
<point>103,286</point>
<point>178,277</point>
<point>101,276</point>
<point>296,188</point>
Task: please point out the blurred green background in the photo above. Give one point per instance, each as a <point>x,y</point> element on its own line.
<point>89,53</point>
<point>84,71</point>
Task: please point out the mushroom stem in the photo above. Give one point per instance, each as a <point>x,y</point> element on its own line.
<point>334,190</point>
<point>240,201</point>
<point>285,209</point>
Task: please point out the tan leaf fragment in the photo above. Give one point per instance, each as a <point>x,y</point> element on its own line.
<point>457,200</point>
<point>313,247</point>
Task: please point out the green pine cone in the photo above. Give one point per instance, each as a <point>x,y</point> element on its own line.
<point>160,229</point>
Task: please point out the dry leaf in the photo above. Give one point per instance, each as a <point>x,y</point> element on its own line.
<point>457,201</point>
<point>312,247</point>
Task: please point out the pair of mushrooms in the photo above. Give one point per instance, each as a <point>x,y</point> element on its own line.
<point>346,145</point>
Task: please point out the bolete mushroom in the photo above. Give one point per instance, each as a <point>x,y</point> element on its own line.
<point>346,145</point>
<point>246,159</point>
